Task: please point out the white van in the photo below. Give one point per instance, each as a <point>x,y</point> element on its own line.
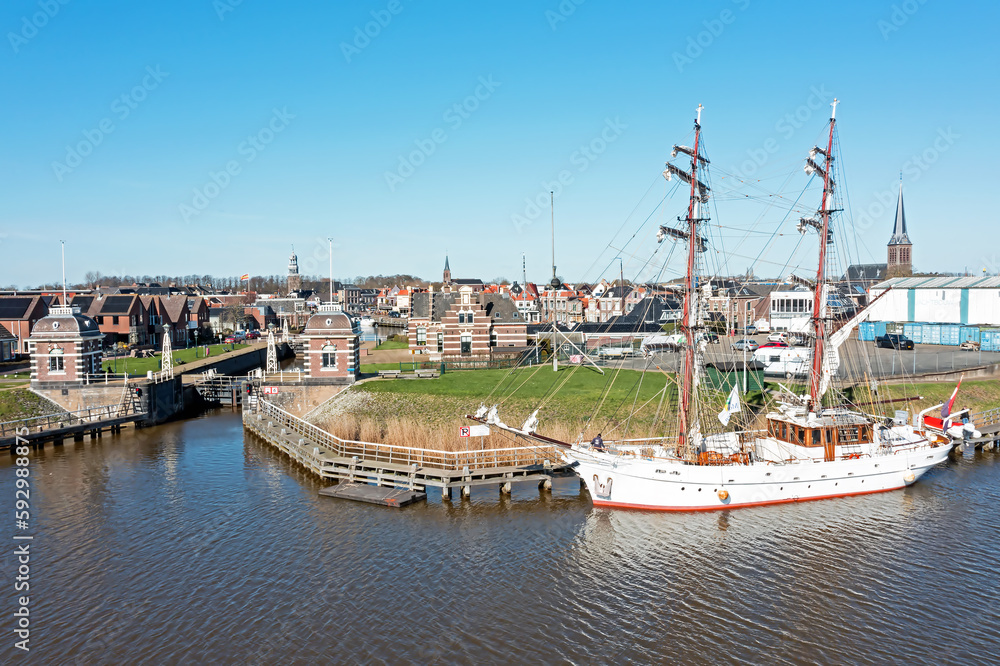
<point>787,362</point>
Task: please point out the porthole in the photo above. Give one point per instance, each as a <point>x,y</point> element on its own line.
<point>55,324</point>
<point>329,321</point>
<point>682,487</point>
<point>699,490</point>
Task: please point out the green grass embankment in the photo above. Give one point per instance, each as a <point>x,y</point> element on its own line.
<point>20,403</point>
<point>138,367</point>
<point>571,399</point>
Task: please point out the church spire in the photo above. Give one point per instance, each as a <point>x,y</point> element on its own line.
<point>447,271</point>
<point>900,249</point>
<point>899,236</point>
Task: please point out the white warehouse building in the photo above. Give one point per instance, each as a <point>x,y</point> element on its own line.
<point>945,300</point>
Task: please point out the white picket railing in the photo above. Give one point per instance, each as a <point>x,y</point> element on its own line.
<point>405,455</point>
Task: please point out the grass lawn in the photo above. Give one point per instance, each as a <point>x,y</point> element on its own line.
<point>580,391</point>
<point>138,367</point>
<point>393,344</point>
<point>978,396</point>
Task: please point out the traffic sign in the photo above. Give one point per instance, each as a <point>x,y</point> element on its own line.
<point>464,431</point>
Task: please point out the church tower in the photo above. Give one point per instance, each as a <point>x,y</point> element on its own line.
<point>447,271</point>
<point>900,257</point>
<point>294,279</point>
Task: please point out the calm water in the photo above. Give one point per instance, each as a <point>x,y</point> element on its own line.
<point>187,544</point>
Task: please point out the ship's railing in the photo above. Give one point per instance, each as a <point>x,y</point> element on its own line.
<point>404,455</point>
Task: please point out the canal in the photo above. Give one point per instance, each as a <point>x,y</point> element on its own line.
<point>187,543</point>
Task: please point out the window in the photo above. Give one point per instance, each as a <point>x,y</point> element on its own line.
<point>56,361</point>
<point>114,321</point>
<point>440,341</point>
<point>461,317</point>
<point>329,356</point>
<point>466,343</point>
<point>421,335</point>
<point>493,338</point>
<point>468,318</point>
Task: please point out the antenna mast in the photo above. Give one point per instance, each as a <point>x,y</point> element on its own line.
<point>552,204</point>
<point>62,244</point>
<point>330,241</point>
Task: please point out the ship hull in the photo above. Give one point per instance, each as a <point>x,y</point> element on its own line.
<point>635,483</point>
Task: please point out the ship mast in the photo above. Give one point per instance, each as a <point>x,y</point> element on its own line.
<point>819,326</point>
<point>688,411</point>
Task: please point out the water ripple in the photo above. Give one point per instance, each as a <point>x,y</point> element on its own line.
<point>187,544</point>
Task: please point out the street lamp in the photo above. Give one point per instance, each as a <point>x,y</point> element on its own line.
<point>196,343</point>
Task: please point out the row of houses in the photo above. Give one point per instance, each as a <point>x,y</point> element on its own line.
<point>135,319</point>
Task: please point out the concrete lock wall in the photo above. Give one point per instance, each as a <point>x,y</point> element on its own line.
<point>162,400</point>
<point>299,399</point>
<point>73,397</point>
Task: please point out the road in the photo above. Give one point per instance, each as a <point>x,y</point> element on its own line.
<point>922,359</point>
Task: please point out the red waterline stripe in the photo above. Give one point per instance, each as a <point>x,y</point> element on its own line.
<point>651,507</point>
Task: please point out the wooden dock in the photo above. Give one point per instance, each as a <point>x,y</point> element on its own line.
<point>93,421</point>
<point>391,466</point>
<point>394,497</point>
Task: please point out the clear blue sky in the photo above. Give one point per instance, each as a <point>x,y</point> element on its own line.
<point>555,80</point>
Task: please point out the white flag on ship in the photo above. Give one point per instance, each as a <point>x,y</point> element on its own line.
<point>732,406</point>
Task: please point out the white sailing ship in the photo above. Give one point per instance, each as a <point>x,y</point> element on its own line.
<point>806,450</point>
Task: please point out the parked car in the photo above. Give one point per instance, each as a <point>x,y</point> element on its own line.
<point>970,345</point>
<point>777,337</point>
<point>253,335</point>
<point>747,344</point>
<point>894,341</point>
<point>394,315</point>
<point>230,339</point>
<point>751,330</point>
<point>769,345</point>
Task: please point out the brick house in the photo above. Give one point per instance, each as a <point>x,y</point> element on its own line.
<point>465,323</point>
<point>8,345</point>
<point>198,316</point>
<point>122,318</point>
<point>174,311</point>
<point>332,348</point>
<point>64,346</point>
<point>19,314</point>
